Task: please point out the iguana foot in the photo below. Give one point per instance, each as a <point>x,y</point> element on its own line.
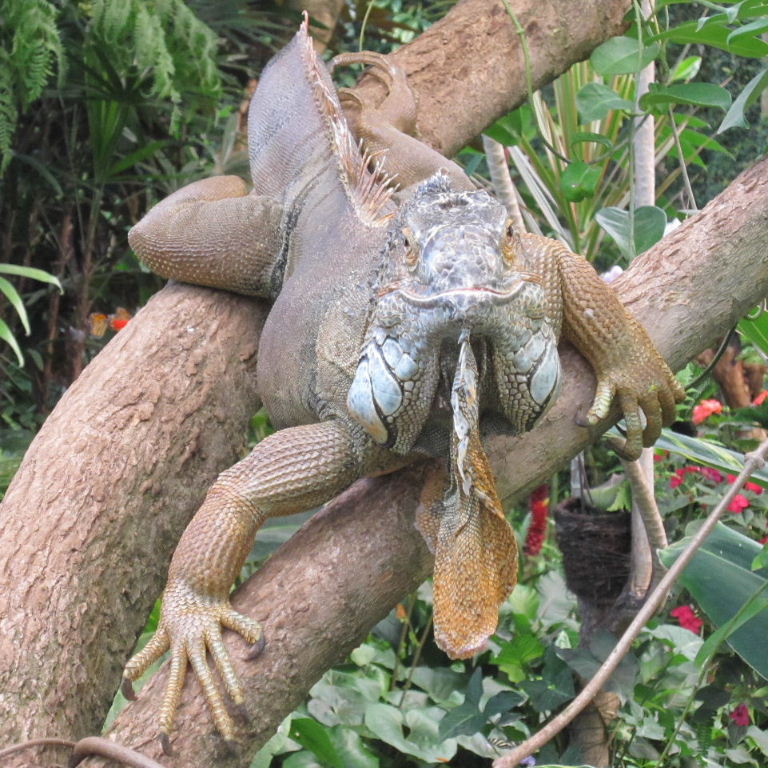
<point>398,109</point>
<point>190,626</point>
<point>647,396</point>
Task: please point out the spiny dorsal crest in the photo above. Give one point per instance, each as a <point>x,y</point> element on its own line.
<point>368,191</point>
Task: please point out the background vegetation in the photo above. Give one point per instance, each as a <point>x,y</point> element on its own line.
<point>107,107</point>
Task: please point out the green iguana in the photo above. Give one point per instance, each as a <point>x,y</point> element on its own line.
<point>401,323</point>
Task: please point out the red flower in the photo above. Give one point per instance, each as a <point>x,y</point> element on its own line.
<point>705,409</point>
<point>739,504</point>
<point>118,325</point>
<point>760,399</point>
<point>537,530</point>
<point>677,479</point>
<point>660,454</point>
<point>712,474</point>
<point>740,715</point>
<point>764,540</point>
<point>687,618</point>
<point>754,487</point>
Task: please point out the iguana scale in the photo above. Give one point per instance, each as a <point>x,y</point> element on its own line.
<point>400,324</point>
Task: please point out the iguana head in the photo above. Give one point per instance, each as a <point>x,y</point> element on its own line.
<point>451,267</point>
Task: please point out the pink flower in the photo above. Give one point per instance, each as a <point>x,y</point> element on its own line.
<point>760,399</point>
<point>687,618</point>
<point>754,487</point>
<point>705,409</point>
<point>739,504</point>
<point>740,715</point>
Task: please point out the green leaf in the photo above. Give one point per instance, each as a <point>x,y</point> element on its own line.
<point>586,137</point>
<point>579,181</point>
<point>734,117</point>
<point>696,94</point>
<point>715,34</point>
<point>721,580</point>
<point>6,288</point>
<point>622,56</point>
<point>596,100</point>
<point>467,717</point>
<point>753,29</point>
<point>649,225</point>
<point>9,338</point>
<point>386,723</point>
<point>687,69</point>
<point>314,737</point>
<point>517,653</point>
<point>32,273</point>
<point>503,701</point>
<point>756,329</point>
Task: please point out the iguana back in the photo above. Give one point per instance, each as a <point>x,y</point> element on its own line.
<point>335,213</point>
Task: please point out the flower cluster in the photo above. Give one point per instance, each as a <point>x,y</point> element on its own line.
<point>537,530</point>
<point>688,618</point>
<point>739,503</point>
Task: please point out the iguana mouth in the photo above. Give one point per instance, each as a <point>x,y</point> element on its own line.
<point>472,293</point>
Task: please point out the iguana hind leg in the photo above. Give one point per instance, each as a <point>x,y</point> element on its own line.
<point>389,127</point>
<point>214,232</point>
<point>293,470</point>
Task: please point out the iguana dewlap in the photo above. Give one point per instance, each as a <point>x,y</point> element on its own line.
<point>380,313</point>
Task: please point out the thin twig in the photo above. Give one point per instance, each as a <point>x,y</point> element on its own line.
<point>754,461</point>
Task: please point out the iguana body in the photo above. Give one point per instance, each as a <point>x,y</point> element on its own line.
<point>360,353</point>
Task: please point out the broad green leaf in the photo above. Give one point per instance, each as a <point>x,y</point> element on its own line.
<point>622,56</point>
<point>756,330</point>
<point>386,723</point>
<point>735,115</point>
<point>579,180</point>
<point>315,737</point>
<point>697,94</point>
<point>687,69</point>
<point>721,581</point>
<point>517,653</point>
<point>503,701</point>
<point>10,339</point>
<point>716,35</point>
<point>441,683</point>
<point>10,293</point>
<point>649,225</point>
<point>351,749</point>
<point>708,453</point>
<point>596,100</point>
<point>32,273</point>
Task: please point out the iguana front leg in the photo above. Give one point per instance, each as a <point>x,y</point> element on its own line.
<point>627,365</point>
<point>213,232</point>
<point>293,470</point>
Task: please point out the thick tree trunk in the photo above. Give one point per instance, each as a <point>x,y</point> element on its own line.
<point>87,528</point>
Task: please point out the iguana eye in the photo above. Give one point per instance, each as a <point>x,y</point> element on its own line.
<point>411,253</point>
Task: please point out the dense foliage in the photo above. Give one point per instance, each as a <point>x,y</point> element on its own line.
<point>106,107</point>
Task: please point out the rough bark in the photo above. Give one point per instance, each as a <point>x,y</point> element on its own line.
<point>104,492</point>
<point>87,529</point>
